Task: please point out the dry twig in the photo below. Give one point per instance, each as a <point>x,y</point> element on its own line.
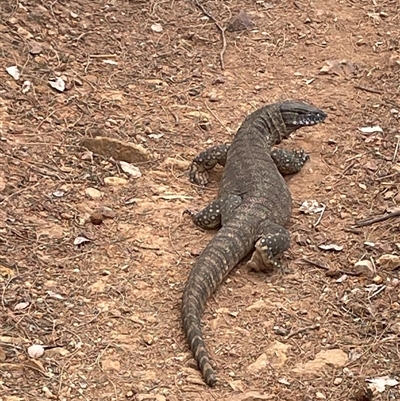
<point>320,216</point>
<point>372,220</point>
<point>370,90</point>
<point>302,330</point>
<point>222,30</point>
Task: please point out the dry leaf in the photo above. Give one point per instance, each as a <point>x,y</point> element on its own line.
<point>311,207</point>
<point>371,130</point>
<point>157,28</point>
<point>58,194</point>
<point>331,247</point>
<point>35,364</point>
<point>80,240</point>
<point>155,136</point>
<point>342,278</point>
<point>21,305</point>
<point>13,340</point>
<point>54,295</point>
<point>26,87</point>
<point>57,84</point>
<point>130,169</point>
<point>23,32</point>
<point>379,383</point>
<point>14,72</point>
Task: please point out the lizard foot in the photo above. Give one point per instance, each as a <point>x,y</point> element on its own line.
<point>263,259</point>
<point>289,161</point>
<point>198,174</point>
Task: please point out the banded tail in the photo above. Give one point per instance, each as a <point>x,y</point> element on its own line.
<point>229,246</point>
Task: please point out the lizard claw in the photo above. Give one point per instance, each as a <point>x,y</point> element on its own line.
<point>189,212</point>
<point>263,260</point>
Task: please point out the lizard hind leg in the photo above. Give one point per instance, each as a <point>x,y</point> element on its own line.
<point>216,213</point>
<point>273,240</point>
<point>208,218</point>
<point>289,161</point>
<point>207,160</point>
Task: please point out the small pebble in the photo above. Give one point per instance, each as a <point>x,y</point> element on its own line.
<point>195,252</point>
<point>115,181</point>
<point>93,193</point>
<point>96,218</point>
<point>377,280</point>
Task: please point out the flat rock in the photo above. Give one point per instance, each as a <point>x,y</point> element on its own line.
<point>274,355</point>
<point>250,396</point>
<point>176,163</point>
<point>93,193</point>
<point>118,150</point>
<point>241,22</point>
<point>335,357</point>
<point>110,364</point>
<point>389,261</point>
<point>115,181</point>
<point>364,267</point>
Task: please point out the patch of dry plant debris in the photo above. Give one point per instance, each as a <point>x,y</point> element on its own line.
<point>94,246</point>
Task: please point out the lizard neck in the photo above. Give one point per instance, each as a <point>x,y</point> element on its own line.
<point>265,125</point>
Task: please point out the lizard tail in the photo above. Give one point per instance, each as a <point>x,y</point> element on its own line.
<point>229,246</point>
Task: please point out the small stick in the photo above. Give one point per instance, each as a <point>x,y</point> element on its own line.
<point>370,90</point>
<point>378,291</point>
<point>316,264</point>
<point>377,219</point>
<point>321,266</point>
<point>396,149</point>
<point>294,333</point>
<point>320,216</point>
<point>218,119</point>
<point>222,30</point>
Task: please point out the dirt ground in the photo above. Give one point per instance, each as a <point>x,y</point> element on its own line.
<point>107,310</point>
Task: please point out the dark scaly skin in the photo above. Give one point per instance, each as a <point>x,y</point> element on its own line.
<point>287,161</point>
<point>253,206</point>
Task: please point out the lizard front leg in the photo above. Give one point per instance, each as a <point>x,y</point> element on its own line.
<point>206,160</point>
<point>273,240</point>
<point>289,161</point>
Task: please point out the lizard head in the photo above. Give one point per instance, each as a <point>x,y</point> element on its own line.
<point>297,114</point>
